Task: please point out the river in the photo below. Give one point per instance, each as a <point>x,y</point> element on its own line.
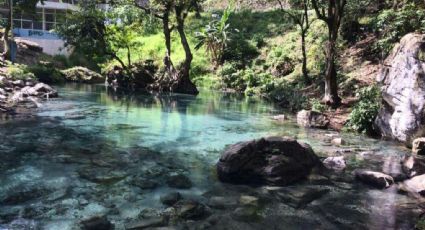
<point>95,151</point>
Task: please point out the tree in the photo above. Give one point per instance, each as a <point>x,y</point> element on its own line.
<point>176,79</point>
<point>27,6</point>
<point>92,32</point>
<point>215,37</point>
<point>301,18</point>
<point>331,12</point>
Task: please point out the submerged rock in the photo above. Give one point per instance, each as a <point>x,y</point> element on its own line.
<point>300,197</point>
<point>101,175</point>
<point>144,183</point>
<point>312,119</point>
<point>402,116</point>
<point>190,210</point>
<point>96,223</point>
<point>170,198</point>
<point>338,141</point>
<point>221,202</point>
<point>248,200</point>
<point>272,160</point>
<point>146,223</point>
<point>22,195</point>
<point>375,179</point>
<point>335,163</point>
<point>179,181</point>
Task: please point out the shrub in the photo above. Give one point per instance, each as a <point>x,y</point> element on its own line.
<point>286,93</point>
<point>46,72</point>
<point>317,106</point>
<point>392,24</point>
<point>19,72</point>
<point>230,74</point>
<point>366,110</point>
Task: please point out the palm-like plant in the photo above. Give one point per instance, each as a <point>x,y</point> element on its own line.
<point>215,37</point>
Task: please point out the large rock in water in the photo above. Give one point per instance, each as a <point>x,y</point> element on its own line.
<point>312,119</point>
<point>273,161</point>
<point>82,75</point>
<point>402,77</point>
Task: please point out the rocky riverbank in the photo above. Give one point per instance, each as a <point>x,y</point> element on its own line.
<point>21,95</point>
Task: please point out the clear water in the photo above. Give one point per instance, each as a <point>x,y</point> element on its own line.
<point>48,162</point>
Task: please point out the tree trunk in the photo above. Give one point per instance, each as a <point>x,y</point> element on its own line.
<point>185,85</point>
<point>304,53</point>
<point>167,34</point>
<point>197,9</point>
<point>6,41</point>
<point>331,84</point>
<point>129,56</point>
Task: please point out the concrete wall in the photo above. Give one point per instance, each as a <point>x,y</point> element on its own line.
<point>50,42</point>
<point>51,47</point>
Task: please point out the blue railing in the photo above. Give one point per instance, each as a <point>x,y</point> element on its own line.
<point>41,34</point>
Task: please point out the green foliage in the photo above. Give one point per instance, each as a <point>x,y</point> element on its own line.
<point>393,24</point>
<point>19,72</point>
<point>287,94</point>
<point>47,73</point>
<point>366,110</point>
<point>317,106</point>
<point>420,225</point>
<point>215,37</point>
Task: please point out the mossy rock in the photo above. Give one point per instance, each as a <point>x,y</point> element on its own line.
<point>82,75</point>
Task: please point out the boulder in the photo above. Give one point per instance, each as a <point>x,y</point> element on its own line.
<point>418,146</point>
<point>281,117</point>
<point>415,185</point>
<point>273,160</point>
<point>335,163</point>
<point>82,75</point>
<point>413,165</point>
<point>402,116</point>
<point>312,119</point>
<point>375,179</point>
<point>338,141</point>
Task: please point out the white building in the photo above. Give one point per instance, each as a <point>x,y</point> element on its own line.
<point>39,27</point>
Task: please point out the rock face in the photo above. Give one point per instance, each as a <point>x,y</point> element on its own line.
<point>402,77</point>
<point>83,75</point>
<point>312,119</point>
<point>418,146</point>
<point>272,160</point>
<point>376,179</point>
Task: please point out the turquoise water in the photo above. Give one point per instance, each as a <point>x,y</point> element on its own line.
<point>83,153</point>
